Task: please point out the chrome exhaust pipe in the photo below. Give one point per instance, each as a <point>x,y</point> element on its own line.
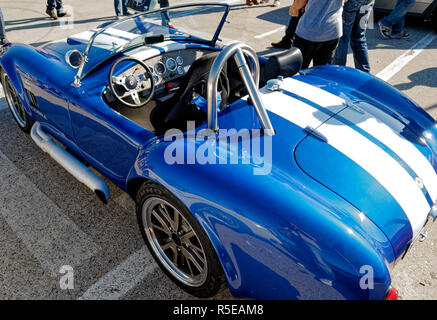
<point>76,168</point>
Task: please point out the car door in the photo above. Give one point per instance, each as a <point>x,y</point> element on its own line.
<point>108,140</point>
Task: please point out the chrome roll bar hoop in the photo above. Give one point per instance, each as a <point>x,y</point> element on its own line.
<point>250,73</point>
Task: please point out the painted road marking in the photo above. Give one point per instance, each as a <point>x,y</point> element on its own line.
<point>126,276</point>
<point>268,33</point>
<point>388,72</point>
<point>51,237</point>
<point>3,103</point>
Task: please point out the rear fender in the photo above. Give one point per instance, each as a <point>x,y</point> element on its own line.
<point>266,252</point>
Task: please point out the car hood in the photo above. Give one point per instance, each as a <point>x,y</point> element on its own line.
<point>366,156</point>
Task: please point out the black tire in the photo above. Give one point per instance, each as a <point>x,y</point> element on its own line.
<point>15,104</point>
<point>434,21</point>
<point>213,277</point>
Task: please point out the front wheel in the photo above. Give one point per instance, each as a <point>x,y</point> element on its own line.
<point>15,105</point>
<point>178,242</point>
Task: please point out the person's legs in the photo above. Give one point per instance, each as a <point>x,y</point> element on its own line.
<point>308,49</point>
<point>51,4</point>
<point>165,19</point>
<point>349,18</point>
<point>325,52</point>
<point>398,13</point>
<point>2,27</point>
<point>358,38</point>
<point>287,39</point>
<point>118,6</point>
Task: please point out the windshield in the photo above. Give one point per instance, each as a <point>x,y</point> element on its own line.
<point>197,22</point>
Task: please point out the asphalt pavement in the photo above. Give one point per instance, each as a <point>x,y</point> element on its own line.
<point>49,220</point>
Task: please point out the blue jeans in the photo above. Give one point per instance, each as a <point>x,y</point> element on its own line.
<point>54,4</point>
<point>396,19</point>
<point>355,19</point>
<point>164,15</point>
<point>2,26</point>
<point>120,7</point>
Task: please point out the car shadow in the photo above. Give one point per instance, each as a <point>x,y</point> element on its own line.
<point>426,77</point>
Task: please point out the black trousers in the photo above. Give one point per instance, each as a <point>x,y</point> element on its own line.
<point>291,29</point>
<point>319,52</point>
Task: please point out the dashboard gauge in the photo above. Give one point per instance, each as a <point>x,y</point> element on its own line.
<point>159,68</point>
<point>155,79</point>
<point>181,70</point>
<point>179,60</point>
<point>171,64</point>
<point>151,70</point>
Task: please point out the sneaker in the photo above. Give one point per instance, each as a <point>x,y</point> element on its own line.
<point>402,35</point>
<point>276,3</point>
<point>385,32</point>
<point>3,41</point>
<point>281,44</point>
<point>52,14</point>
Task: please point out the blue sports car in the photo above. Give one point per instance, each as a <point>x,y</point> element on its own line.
<point>279,182</point>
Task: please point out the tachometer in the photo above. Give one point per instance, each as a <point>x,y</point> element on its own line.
<point>171,64</point>
<point>159,68</point>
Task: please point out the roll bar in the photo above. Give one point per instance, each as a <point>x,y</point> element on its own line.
<point>250,75</point>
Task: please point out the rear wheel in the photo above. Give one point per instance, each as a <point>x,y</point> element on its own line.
<point>15,105</point>
<point>178,242</point>
<point>434,21</point>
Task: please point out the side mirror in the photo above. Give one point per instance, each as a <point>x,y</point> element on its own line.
<point>74,58</point>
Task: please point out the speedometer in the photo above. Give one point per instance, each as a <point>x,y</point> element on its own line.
<point>160,68</point>
<point>171,64</point>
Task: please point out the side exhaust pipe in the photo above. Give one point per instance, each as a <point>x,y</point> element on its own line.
<point>76,168</point>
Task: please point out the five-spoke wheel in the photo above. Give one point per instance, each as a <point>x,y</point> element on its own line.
<point>177,241</point>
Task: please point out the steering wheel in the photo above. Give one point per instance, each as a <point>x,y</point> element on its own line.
<point>133,90</point>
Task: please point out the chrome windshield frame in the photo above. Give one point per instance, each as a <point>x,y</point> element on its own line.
<point>79,75</point>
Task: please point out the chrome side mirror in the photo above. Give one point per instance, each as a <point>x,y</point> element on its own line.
<point>74,58</point>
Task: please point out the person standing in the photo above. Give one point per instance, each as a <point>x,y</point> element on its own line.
<point>55,9</point>
<point>287,40</point>
<point>355,20</point>
<point>121,10</point>
<point>3,39</point>
<point>319,29</point>
<point>392,26</point>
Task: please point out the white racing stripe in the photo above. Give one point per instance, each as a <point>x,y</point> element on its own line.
<point>386,170</point>
<point>402,147</point>
<point>379,130</point>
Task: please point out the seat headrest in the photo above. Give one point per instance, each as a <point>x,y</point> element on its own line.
<point>284,64</point>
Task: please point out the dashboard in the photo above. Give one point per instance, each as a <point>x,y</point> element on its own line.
<point>170,66</point>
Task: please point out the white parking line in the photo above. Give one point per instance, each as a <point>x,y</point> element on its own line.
<point>3,103</point>
<point>50,236</point>
<point>266,34</point>
<point>388,72</point>
<point>126,276</point>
